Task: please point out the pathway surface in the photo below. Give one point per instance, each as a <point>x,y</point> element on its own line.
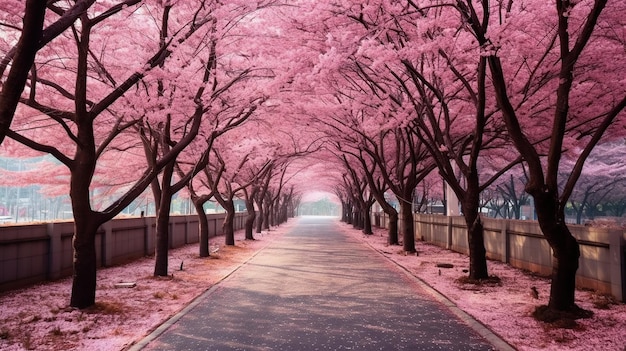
<point>316,289</point>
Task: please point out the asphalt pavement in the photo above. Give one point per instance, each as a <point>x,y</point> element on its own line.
<point>316,289</point>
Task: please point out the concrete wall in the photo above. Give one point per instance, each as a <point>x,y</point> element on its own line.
<point>34,253</point>
<point>602,264</point>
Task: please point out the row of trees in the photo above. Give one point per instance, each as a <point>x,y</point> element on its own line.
<point>130,95</point>
<point>368,100</point>
<point>474,91</point>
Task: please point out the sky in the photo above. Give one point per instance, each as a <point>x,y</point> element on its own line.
<point>38,317</point>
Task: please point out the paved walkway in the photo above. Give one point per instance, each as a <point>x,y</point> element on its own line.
<point>315,289</point>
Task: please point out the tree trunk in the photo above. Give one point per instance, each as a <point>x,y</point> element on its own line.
<point>162,241</point>
<point>229,223</point>
<point>357,222</point>
<point>266,219</point>
<point>475,237</point>
<point>260,220</point>
<point>347,209</point>
<point>344,212</point>
<point>285,210</point>
<point>579,213</point>
<point>564,266</point>
<point>267,216</point>
<point>367,220</point>
<point>478,254</point>
<point>203,228</point>
<point>272,214</point>
<point>565,251</point>
<point>27,47</point>
<point>393,228</point>
<point>163,222</point>
<point>163,233</point>
<point>249,225</point>
<point>407,227</point>
<point>86,221</point>
<point>84,276</point>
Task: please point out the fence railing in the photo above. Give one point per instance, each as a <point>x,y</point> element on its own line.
<point>34,253</point>
<point>602,264</point>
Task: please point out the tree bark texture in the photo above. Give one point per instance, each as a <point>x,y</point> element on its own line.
<point>27,47</point>
<point>163,222</point>
<point>229,223</point>
<point>357,215</point>
<point>203,229</point>
<point>393,229</point>
<point>407,227</point>
<point>565,251</point>
<point>260,219</point>
<point>475,237</point>
<point>84,276</point>
<point>162,240</point>
<point>266,218</point>
<point>249,225</point>
<point>367,220</point>
<point>86,221</point>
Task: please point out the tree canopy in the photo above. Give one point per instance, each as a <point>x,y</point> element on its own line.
<point>267,101</point>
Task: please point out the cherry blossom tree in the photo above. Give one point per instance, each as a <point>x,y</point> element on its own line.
<point>131,94</point>
<point>166,188</point>
<point>506,196</point>
<point>430,194</point>
<point>32,37</point>
<point>87,114</point>
<point>216,122</point>
<point>417,73</point>
<point>547,66</point>
<point>401,162</point>
<point>356,186</point>
<point>222,180</point>
<point>276,151</point>
<point>262,221</point>
<point>251,193</point>
<point>275,200</point>
<point>377,189</point>
<point>25,50</point>
<point>514,198</point>
<point>602,180</point>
